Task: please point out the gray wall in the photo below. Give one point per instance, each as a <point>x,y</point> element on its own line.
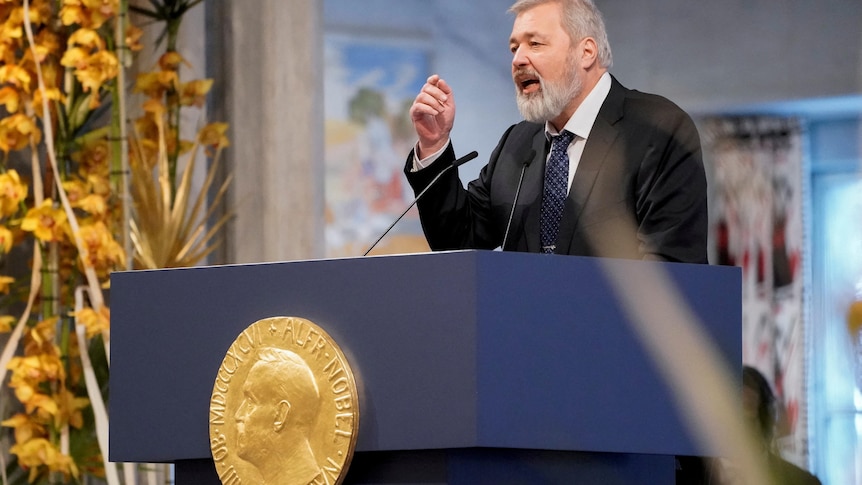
<point>707,56</point>
<point>718,55</point>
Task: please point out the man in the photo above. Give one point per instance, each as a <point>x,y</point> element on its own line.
<point>276,417</point>
<point>625,179</point>
<point>758,403</point>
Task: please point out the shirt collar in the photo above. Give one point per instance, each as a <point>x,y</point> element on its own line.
<point>581,122</point>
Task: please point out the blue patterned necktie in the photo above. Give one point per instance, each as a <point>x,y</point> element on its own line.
<point>556,190</point>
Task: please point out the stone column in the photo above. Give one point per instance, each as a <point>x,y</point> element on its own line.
<point>267,59</point>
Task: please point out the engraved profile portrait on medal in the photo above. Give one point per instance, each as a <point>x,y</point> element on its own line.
<point>284,408</point>
<point>277,415</point>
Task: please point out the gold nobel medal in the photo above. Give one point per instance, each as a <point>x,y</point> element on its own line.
<point>284,408</point>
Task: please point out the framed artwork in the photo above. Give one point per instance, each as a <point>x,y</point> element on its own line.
<point>756,213</point>
<point>370,83</point>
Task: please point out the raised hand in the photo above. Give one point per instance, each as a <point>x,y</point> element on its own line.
<point>433,115</point>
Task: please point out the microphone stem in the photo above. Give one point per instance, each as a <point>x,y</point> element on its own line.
<point>514,204</point>
<point>408,208</point>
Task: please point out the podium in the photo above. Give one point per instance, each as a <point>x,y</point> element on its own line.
<point>472,366</point>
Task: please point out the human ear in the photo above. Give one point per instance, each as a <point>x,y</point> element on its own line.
<point>282,410</point>
<point>589,52</point>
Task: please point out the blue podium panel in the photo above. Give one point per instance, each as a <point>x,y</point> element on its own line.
<point>455,350</point>
<point>561,367</point>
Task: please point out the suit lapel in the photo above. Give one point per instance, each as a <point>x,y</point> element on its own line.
<point>534,180</point>
<point>602,136</point>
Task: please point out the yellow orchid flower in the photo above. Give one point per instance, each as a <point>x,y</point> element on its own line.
<point>89,39</point>
<point>16,76</point>
<point>133,38</point>
<point>88,13</point>
<point>45,222</point>
<point>39,452</point>
<point>16,132</point>
<point>8,50</point>
<point>42,52</point>
<point>103,251</point>
<point>75,190</point>
<point>53,74</point>
<point>40,12</point>
<point>213,135</point>
<point>73,13</point>
<point>44,331</point>
<point>43,405</point>
<point>155,84</point>
<point>108,8</point>
<point>9,97</point>
<point>170,61</point>
<point>93,157</point>
<point>91,70</point>
<point>6,239</point>
<point>12,28</point>
<point>24,390</point>
<point>5,282</point>
<point>49,40</point>
<point>70,409</point>
<point>27,392</point>
<point>94,321</point>
<point>25,427</point>
<point>101,67</point>
<point>35,368</point>
<point>6,323</point>
<point>146,127</point>
<point>75,57</point>
<point>12,193</point>
<point>93,204</point>
<point>99,184</point>
<point>193,93</point>
<point>155,108</point>
<point>80,197</point>
<point>52,94</point>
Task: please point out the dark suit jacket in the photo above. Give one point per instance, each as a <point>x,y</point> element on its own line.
<point>639,190</point>
<point>785,473</point>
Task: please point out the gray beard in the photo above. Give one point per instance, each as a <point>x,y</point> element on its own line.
<point>549,101</point>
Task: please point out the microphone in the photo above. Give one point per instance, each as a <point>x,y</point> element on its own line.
<point>457,163</point>
<point>527,163</point>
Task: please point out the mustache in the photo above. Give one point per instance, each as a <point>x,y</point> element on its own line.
<point>525,72</point>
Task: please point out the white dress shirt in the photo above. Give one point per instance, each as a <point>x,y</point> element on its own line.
<point>581,123</point>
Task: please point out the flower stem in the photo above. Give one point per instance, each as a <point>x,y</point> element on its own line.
<point>173,103</point>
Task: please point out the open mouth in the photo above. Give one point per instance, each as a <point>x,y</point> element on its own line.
<point>528,83</point>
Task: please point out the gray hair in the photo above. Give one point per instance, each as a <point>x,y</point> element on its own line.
<point>581,18</point>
